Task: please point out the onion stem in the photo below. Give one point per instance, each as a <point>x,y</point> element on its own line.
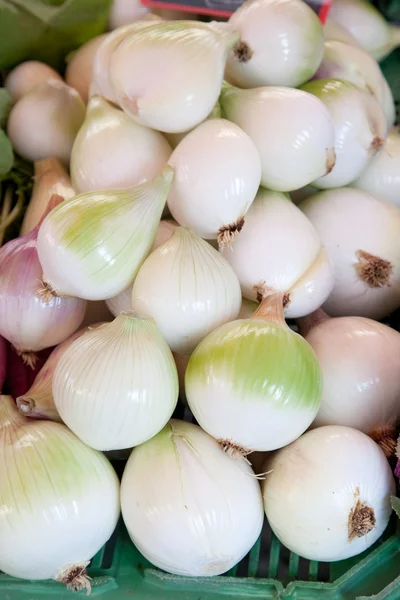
<point>271,308</point>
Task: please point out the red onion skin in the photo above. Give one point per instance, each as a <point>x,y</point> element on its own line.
<point>28,321</point>
<point>20,376</point>
<point>3,362</point>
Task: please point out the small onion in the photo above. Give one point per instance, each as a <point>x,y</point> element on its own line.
<point>44,122</point>
<point>116,386</point>
<point>361,236</point>
<point>125,11</point>
<point>292,131</point>
<point>359,360</point>
<point>279,250</point>
<point>217,175</point>
<point>282,43</point>
<point>26,76</point>
<point>113,152</point>
<point>189,508</point>
<point>80,66</point>
<point>254,384</point>
<point>381,176</point>
<point>327,496</point>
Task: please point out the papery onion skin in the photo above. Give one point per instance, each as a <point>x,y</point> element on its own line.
<point>381,176</point>
<point>292,131</point>
<point>130,354</point>
<point>111,151</point>
<point>80,66</point>
<point>280,251</point>
<point>26,76</point>
<point>360,128</point>
<point>67,506</point>
<point>101,65</point>
<point>188,288</point>
<point>29,321</point>
<point>359,360</point>
<point>175,86</point>
<point>360,234</point>
<point>217,175</point>
<point>44,122</point>
<point>70,239</point>
<point>50,178</point>
<point>282,43</point>
<point>253,384</point>
<point>317,484</point>
<point>170,487</point>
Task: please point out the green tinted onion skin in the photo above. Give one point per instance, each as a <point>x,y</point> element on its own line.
<point>254,384</point>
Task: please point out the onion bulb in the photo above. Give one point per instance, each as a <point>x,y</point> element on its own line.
<point>360,128</point>
<point>3,362</point>
<point>327,496</point>
<point>189,508</point>
<point>279,250</point>
<point>217,175</point>
<point>122,302</point>
<point>27,320</point>
<point>254,384</point>
<point>381,176</point>
<point>350,63</point>
<point>282,43</point>
<point>334,31</point>
<point>175,138</point>
<point>292,131</point>
<point>125,11</point>
<point>361,236</point>
<point>44,122</point>
<point>360,362</point>
<point>168,76</point>
<point>113,152</point>
<point>27,76</point>
<point>367,25</point>
<point>80,66</point>
<point>93,245</point>
<point>101,65</point>
<point>188,288</point>
<point>50,178</point>
<point>60,500</point>
<point>116,386</point>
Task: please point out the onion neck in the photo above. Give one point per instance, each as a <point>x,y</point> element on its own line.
<point>49,165</point>
<point>305,324</point>
<point>9,415</point>
<point>271,309</point>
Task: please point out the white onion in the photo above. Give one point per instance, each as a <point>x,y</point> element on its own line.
<point>111,151</point>
<point>188,288</point>
<point>217,175</point>
<point>334,31</point>
<point>282,43</point>
<point>348,62</point>
<point>175,138</point>
<point>60,500</point>
<point>360,128</point>
<point>279,250</point>
<point>328,494</point>
<point>123,301</point>
<point>168,75</point>
<point>254,384</point>
<point>80,66</point>
<point>367,25</point>
<point>361,236</point>
<point>381,176</point>
<point>93,245</point>
<point>126,11</point>
<point>360,362</point>
<point>116,386</point>
<point>292,130</point>
<point>26,76</point>
<point>101,84</point>
<point>189,508</point>
<point>44,122</point>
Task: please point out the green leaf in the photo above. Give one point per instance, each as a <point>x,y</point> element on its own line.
<point>47,30</point>
<point>6,154</point>
<point>5,106</point>
<point>395,505</point>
